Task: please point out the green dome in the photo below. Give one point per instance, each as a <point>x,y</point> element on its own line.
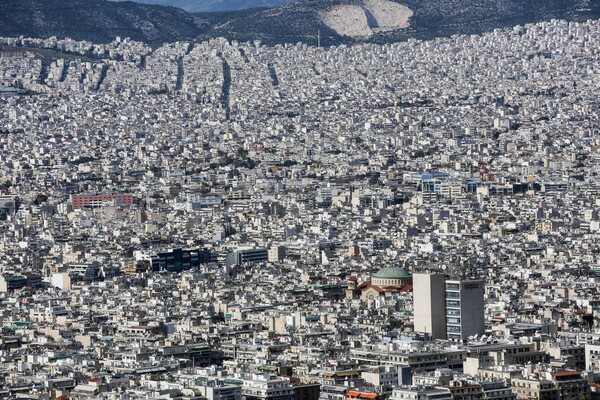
<point>392,273</point>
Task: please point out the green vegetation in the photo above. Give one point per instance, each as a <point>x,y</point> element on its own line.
<point>99,21</point>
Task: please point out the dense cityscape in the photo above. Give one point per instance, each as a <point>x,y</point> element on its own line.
<point>234,221</point>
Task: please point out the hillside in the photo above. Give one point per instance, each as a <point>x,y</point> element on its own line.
<point>215,5</point>
<point>337,21</point>
<point>97,20</point>
<point>302,19</point>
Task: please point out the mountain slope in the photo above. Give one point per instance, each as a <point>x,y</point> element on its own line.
<point>215,5</point>
<point>300,20</point>
<point>97,20</point>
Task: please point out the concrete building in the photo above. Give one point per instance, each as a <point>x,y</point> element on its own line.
<point>421,393</point>
<point>592,356</point>
<point>329,392</point>
<point>429,304</point>
<point>388,376</point>
<point>242,256</point>
<point>98,200</point>
<point>266,387</point>
<point>276,253</point>
<point>559,385</point>
<point>464,309</point>
<point>177,260</point>
<point>213,389</point>
<point>497,390</point>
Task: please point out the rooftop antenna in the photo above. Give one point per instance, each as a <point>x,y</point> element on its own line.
<point>318,38</point>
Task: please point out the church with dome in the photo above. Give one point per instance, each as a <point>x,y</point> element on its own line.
<point>385,282</point>
<point>392,276</point>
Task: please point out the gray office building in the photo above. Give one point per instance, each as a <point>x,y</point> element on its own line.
<point>448,309</point>
<point>464,308</point>
<point>243,256</point>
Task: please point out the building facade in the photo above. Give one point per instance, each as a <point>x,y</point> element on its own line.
<point>98,200</point>
<point>430,307</point>
<point>464,309</point>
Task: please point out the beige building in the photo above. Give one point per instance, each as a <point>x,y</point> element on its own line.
<point>560,385</point>
<point>429,304</point>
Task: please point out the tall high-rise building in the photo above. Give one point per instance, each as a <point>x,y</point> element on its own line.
<point>448,309</point>
<point>429,296</point>
<point>464,308</point>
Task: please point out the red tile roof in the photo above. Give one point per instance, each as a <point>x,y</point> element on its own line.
<point>566,373</point>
